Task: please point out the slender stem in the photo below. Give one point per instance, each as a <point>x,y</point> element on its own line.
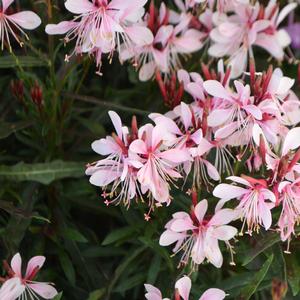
<point>110,105</point>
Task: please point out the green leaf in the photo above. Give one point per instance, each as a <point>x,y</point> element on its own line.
<point>96,295</point>
<point>6,129</point>
<point>44,173</point>
<point>58,296</point>
<point>293,273</point>
<point>154,269</point>
<point>251,288</point>
<point>131,282</point>
<point>263,244</point>
<point>10,61</point>
<point>73,235</point>
<point>119,234</point>
<point>67,266</point>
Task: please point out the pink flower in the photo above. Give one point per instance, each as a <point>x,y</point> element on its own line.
<point>272,39</point>
<point>11,289</point>
<point>198,236</point>
<point>234,114</point>
<point>117,170</point>
<point>183,288</point>
<point>17,21</point>
<point>158,163</point>
<point>23,287</point>
<point>102,24</point>
<point>289,196</point>
<point>235,35</point>
<point>256,201</point>
<point>170,41</point>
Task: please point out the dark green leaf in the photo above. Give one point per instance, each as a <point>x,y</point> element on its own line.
<point>6,129</point>
<point>263,244</point>
<point>251,288</point>
<point>21,61</point>
<point>119,234</point>
<point>74,235</point>
<point>42,172</point>
<point>67,266</point>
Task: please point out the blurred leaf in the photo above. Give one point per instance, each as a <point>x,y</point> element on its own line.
<point>44,173</point>
<point>97,251</point>
<point>154,269</point>
<point>131,282</point>
<point>251,288</point>
<point>96,295</point>
<point>74,235</point>
<point>293,273</point>
<point>10,61</point>
<point>263,244</point>
<point>58,296</point>
<point>119,234</point>
<point>6,129</point>
<point>67,266</point>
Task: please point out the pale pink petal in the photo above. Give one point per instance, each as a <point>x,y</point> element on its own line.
<point>195,90</point>
<point>227,191</point>
<point>223,217</point>
<point>200,210</point>
<point>189,42</point>
<point>204,146</point>
<point>26,19</point>
<point>218,117</point>
<point>105,146</point>
<point>169,237</point>
<point>238,62</point>
<point>153,292</point>
<point>116,120</point>
<point>139,147</point>
<point>284,12</point>
<point>183,76</point>
<point>6,4</point>
<point>34,263</point>
<point>12,289</point>
<point>224,232</point>
<point>265,214</point>
<point>292,140</point>
<point>163,34</point>
<point>197,253</point>
<point>175,155</point>
<point>254,111</point>
<point>79,7</point>
<point>161,59</point>
<point>213,253</point>
<point>186,115</point>
<point>268,195</point>
<point>60,28</point>
<point>147,71</point>
<point>216,89</point>
<point>44,290</point>
<point>226,130</point>
<point>211,170</point>
<point>271,44</point>
<point>213,294</point>
<point>16,264</point>
<point>104,177</point>
<point>183,285</point>
<point>239,180</point>
<point>181,225</point>
<point>140,35</point>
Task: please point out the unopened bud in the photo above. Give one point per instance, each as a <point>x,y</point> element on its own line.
<point>279,289</point>
<point>37,95</point>
<point>17,89</point>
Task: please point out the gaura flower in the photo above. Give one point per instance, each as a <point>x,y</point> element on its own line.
<point>289,197</point>
<point>11,289</point>
<point>23,287</point>
<point>182,290</point>
<point>116,174</point>
<point>101,25</point>
<point>255,201</point>
<point>10,23</point>
<point>158,163</point>
<point>198,237</point>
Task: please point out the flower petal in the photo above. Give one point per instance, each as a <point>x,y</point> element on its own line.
<point>34,263</point>
<point>44,290</point>
<point>292,140</point>
<point>79,7</point>
<point>183,285</point>
<point>60,28</point>
<point>16,264</point>
<point>213,294</point>
<point>200,210</point>
<point>26,19</point>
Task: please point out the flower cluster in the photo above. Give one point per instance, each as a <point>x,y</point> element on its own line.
<point>16,286</point>
<point>182,291</point>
